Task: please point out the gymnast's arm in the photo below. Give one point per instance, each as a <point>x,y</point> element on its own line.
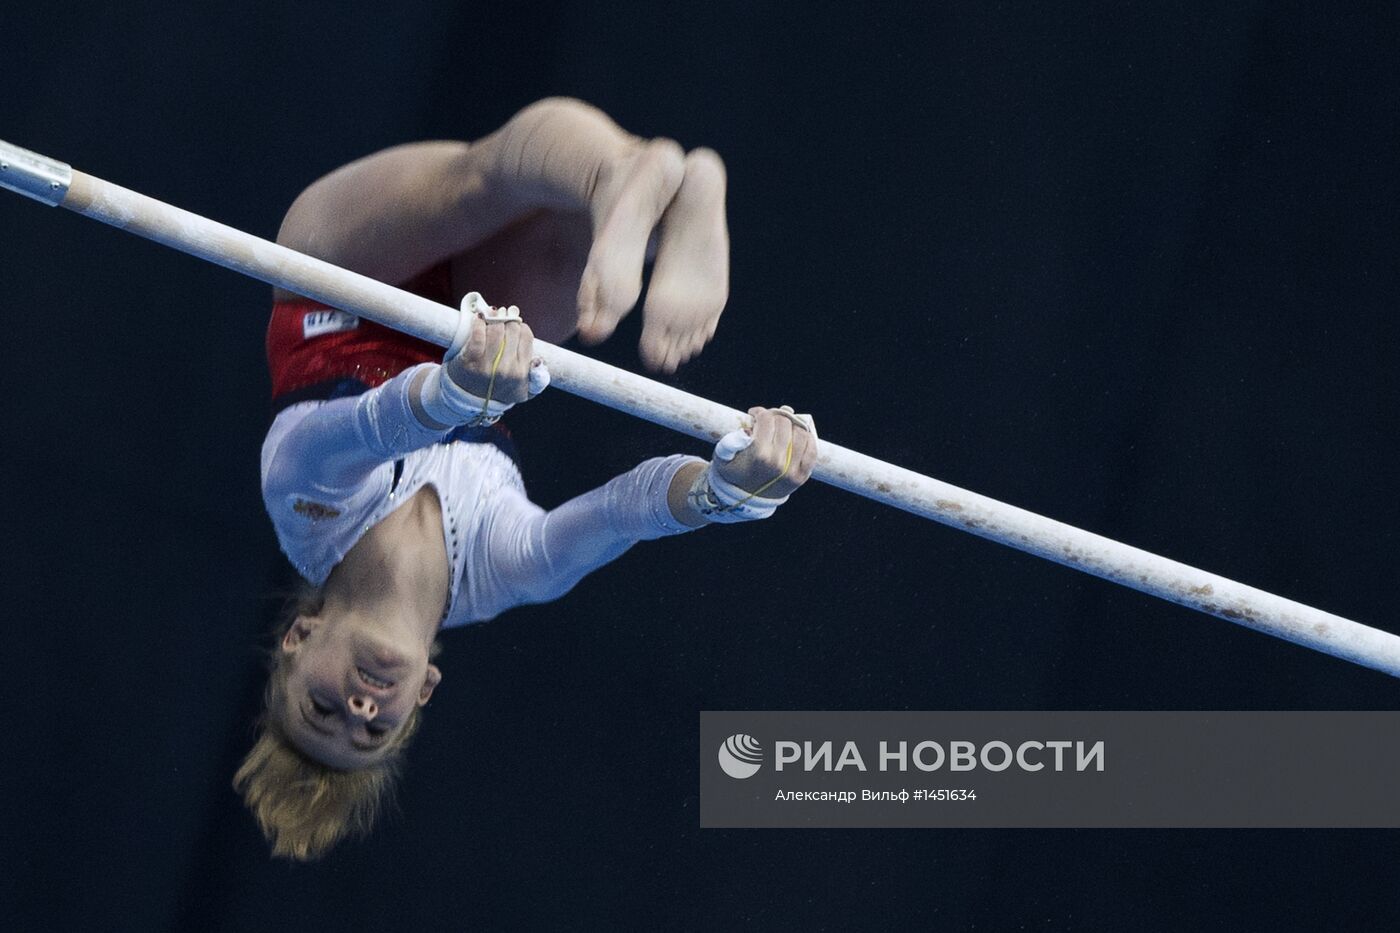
<point>537,555</point>
<point>330,452</point>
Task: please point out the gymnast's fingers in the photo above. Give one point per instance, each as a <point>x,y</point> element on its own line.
<point>524,347</point>
<point>513,372</point>
<point>765,452</point>
<point>804,454</point>
<point>781,441</point>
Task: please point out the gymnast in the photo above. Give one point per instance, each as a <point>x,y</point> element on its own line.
<point>393,491</point>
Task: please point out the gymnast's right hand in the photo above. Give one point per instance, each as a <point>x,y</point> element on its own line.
<point>495,368</point>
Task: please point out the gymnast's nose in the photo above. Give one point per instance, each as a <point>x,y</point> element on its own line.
<point>363,707</point>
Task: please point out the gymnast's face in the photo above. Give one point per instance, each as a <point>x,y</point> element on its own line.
<point>349,691</point>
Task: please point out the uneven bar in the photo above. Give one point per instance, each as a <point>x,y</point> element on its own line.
<point>42,178</point>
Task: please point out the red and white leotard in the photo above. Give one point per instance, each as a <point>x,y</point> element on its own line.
<point>345,450</point>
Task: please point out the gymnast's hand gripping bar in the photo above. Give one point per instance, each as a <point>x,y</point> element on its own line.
<point>56,184</point>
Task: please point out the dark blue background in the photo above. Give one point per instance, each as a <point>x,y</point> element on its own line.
<point>1132,268</point>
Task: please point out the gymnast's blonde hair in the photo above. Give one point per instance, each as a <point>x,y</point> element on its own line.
<point>302,806</point>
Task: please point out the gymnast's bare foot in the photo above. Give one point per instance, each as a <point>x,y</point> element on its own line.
<point>560,161</point>
<point>558,212</point>
<point>658,194</point>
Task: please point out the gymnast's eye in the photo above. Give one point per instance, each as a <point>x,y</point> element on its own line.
<point>321,708</point>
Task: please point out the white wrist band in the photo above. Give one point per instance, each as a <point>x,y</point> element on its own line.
<point>448,403</point>
<point>721,501</point>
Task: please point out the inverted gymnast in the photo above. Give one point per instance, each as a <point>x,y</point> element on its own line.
<point>557,211</point>
<point>393,492</point>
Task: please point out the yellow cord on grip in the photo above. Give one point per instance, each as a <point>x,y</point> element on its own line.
<point>787,464</point>
<point>491,383</point>
<point>798,420</point>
